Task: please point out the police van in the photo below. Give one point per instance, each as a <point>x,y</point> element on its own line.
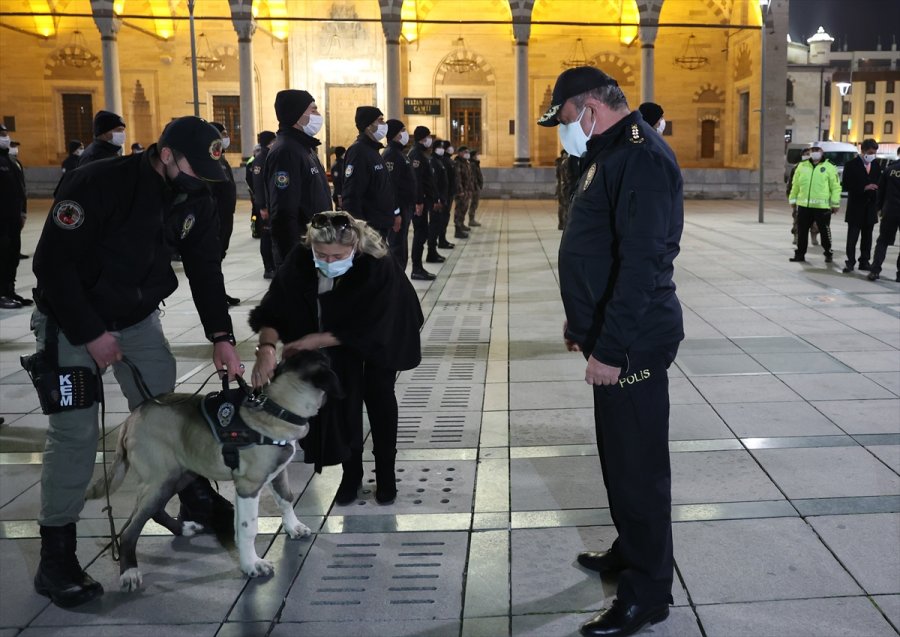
<point>838,153</point>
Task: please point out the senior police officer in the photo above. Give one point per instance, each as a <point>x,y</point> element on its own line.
<point>225,195</point>
<point>404,181</point>
<point>424,226</point>
<point>102,267</point>
<point>109,137</point>
<point>296,184</point>
<point>615,272</point>
<point>368,193</point>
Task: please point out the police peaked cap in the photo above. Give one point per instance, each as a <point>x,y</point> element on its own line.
<point>290,104</point>
<point>105,121</point>
<point>421,132</point>
<point>365,115</point>
<point>200,144</point>
<point>570,83</point>
<point>394,127</point>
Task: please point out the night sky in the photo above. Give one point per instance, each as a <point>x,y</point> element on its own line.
<point>859,21</point>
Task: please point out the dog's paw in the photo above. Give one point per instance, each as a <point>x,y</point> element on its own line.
<point>130,580</point>
<point>259,568</point>
<point>297,530</point>
<point>190,529</point>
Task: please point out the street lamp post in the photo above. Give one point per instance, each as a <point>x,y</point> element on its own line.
<point>764,11</point>
<point>844,88</point>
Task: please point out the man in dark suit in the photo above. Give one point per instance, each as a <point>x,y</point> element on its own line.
<point>860,181</point>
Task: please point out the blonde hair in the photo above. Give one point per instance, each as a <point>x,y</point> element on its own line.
<point>358,233</point>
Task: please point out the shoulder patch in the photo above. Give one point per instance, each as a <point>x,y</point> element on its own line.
<point>187,225</point>
<point>822,169</point>
<point>636,137</point>
<point>390,165</point>
<point>256,170</point>
<point>216,148</point>
<point>282,179</point>
<point>589,177</point>
<point>348,170</point>
<point>415,163</point>
<point>68,214</point>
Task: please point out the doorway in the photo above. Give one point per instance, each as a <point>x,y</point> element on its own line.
<point>465,123</point>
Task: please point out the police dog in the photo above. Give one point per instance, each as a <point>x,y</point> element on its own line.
<point>167,445</point>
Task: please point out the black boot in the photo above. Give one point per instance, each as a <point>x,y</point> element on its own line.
<point>59,575</point>
<point>203,505</point>
<point>385,479</point>
<point>351,482</point>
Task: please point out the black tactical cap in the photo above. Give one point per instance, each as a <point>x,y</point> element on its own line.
<point>570,83</point>
<point>200,144</point>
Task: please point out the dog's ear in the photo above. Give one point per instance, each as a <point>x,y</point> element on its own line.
<point>325,379</point>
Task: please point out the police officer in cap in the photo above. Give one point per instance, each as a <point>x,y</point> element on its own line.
<point>266,140</point>
<point>12,218</point>
<point>424,227</point>
<point>404,181</point>
<point>368,193</point>
<point>225,195</point>
<point>102,266</point>
<point>296,184</point>
<point>615,276</point>
<point>109,137</point>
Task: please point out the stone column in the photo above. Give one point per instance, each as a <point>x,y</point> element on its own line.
<point>108,25</point>
<point>393,88</point>
<point>522,158</point>
<point>245,26</point>
<point>648,38</point>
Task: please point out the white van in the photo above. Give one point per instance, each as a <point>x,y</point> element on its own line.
<point>838,153</point>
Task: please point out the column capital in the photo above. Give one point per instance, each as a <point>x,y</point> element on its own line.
<point>105,18</point>
<point>521,31</point>
<point>242,19</point>
<point>647,33</point>
<point>391,31</point>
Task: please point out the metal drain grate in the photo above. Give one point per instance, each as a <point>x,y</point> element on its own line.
<point>368,575</point>
<point>463,307</point>
<point>439,430</point>
<point>435,371</point>
<point>433,486</point>
<point>455,351</point>
<point>426,397</point>
<point>465,328</point>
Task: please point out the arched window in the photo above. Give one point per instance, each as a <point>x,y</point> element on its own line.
<point>889,107</point>
<point>868,128</point>
<point>789,93</point>
<point>889,128</point>
<point>870,107</point>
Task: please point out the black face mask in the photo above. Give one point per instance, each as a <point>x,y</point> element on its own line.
<point>187,184</point>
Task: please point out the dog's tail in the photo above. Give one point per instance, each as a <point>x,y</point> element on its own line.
<point>116,472</point>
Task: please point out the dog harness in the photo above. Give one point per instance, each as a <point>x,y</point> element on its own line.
<point>221,410</point>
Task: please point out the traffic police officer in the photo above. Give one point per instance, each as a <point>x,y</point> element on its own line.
<point>265,139</point>
<point>102,266</point>
<point>225,195</point>
<point>404,181</point>
<point>424,227</point>
<point>368,193</point>
<point>13,202</point>
<point>615,275</point>
<point>815,196</point>
<point>296,184</point>
<point>109,137</point>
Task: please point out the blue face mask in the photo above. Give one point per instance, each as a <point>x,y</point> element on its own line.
<point>335,268</point>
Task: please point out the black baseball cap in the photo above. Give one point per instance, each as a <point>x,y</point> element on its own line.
<point>200,144</point>
<point>570,83</point>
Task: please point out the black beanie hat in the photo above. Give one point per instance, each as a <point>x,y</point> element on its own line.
<point>420,133</point>
<point>365,115</point>
<point>290,104</point>
<point>264,138</point>
<point>651,112</point>
<point>219,127</point>
<point>394,127</point>
<point>74,144</point>
<point>105,121</point>
<point>339,151</point>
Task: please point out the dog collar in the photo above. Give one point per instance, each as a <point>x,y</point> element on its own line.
<point>269,406</point>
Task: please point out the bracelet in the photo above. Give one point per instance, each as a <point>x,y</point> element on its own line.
<point>272,345</point>
<point>224,338</point>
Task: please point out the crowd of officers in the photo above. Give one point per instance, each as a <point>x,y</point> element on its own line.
<point>388,178</point>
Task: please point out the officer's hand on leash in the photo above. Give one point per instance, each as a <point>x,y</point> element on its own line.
<point>105,350</point>
<point>599,374</point>
<point>264,368</point>
<point>226,357</point>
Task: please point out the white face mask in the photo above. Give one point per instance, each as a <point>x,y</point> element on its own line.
<point>450,150</point>
<point>573,138</point>
<point>78,152</point>
<point>314,125</point>
<point>4,143</point>
<point>815,156</point>
<point>226,142</point>
<point>439,151</point>
<point>869,158</point>
<point>380,132</point>
<point>426,142</point>
<point>404,138</point>
<point>13,151</point>
<point>661,126</point>
<point>466,155</point>
<point>118,138</point>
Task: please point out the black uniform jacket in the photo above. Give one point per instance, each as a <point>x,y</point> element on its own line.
<point>98,149</point>
<point>225,192</point>
<point>70,162</point>
<point>450,167</point>
<point>861,209</point>
<point>477,175</point>
<point>402,176</point>
<point>888,201</point>
<point>372,309</point>
<point>440,179</point>
<point>103,261</point>
<point>258,178</point>
<point>296,186</point>
<point>12,194</point>
<point>616,254</point>
<point>337,179</point>
<point>426,190</point>
<point>368,193</point>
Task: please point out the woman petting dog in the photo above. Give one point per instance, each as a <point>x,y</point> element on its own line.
<point>341,292</point>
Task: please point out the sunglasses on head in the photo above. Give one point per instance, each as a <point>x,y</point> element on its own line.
<point>338,221</point>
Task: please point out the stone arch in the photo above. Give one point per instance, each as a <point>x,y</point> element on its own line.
<point>613,65</point>
<point>743,63</point>
<point>55,69</point>
<point>709,93</point>
<point>711,116</point>
<point>484,74</point>
<point>231,70</point>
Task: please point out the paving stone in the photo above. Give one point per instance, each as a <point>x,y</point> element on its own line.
<point>538,484</point>
<point>890,606</point>
<point>889,380</point>
<point>719,476</point>
<point>368,628</point>
<point>422,397</point>
<point>888,454</point>
<point>834,386</point>
<point>741,389</point>
<point>773,344</point>
<point>540,427</point>
<point>438,430</point>
<point>568,370</point>
<point>863,416</point>
<point>760,419</point>
<point>550,395</point>
<point>696,422</point>
<point>718,364</point>
<point>169,630</point>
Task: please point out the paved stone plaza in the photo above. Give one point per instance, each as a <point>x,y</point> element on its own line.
<point>785,440</point>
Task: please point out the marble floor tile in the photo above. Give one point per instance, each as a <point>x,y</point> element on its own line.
<point>863,416</point>
<point>828,386</point>
<point>750,420</point>
<point>741,389</point>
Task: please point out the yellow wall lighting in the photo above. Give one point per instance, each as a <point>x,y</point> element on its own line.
<point>271,10</point>
<point>160,10</point>
<point>43,23</point>
<point>118,7</point>
<point>628,14</point>
<point>409,11</point>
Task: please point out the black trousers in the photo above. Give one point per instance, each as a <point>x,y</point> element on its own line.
<point>10,247</point>
<point>400,246</point>
<point>381,407</point>
<point>887,233</point>
<point>226,228</point>
<point>863,233</point>
<point>805,219</point>
<point>265,244</point>
<point>632,421</point>
<point>420,237</point>
<point>443,220</point>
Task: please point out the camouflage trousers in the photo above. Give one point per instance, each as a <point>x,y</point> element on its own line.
<point>460,208</point>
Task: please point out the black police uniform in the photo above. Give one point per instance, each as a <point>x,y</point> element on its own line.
<point>404,181</point>
<point>615,271</point>
<point>296,188</point>
<point>98,149</point>
<point>260,202</point>
<point>861,213</point>
<point>70,162</point>
<point>225,195</point>
<point>888,202</point>
<point>424,225</point>
<point>440,218</point>
<point>337,182</point>
<point>13,201</point>
<point>368,193</point>
<point>450,170</point>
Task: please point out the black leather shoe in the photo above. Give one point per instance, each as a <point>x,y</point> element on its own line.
<point>8,303</point>
<point>797,260</point>
<point>474,224</point>
<point>459,234</point>
<point>435,258</point>
<point>422,275</point>
<point>24,256</point>
<point>348,490</point>
<point>21,299</point>
<point>465,228</point>
<point>864,267</point>
<point>848,268</point>
<point>624,619</point>
<point>206,508</point>
<point>59,575</point>
<point>446,245</point>
<point>828,258</point>
<point>603,562</point>
<point>873,276</point>
<point>231,300</point>
<point>269,274</point>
